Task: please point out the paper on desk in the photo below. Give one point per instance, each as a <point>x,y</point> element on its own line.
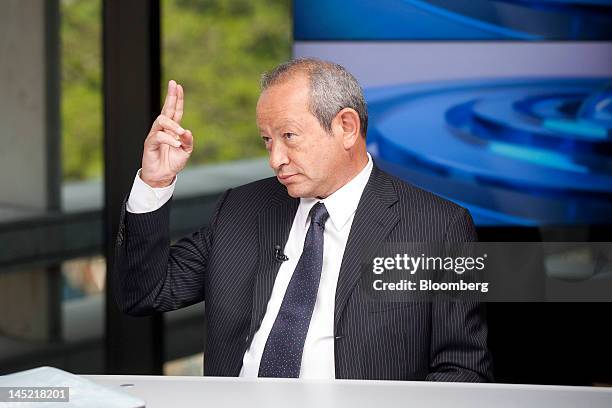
<point>83,393</point>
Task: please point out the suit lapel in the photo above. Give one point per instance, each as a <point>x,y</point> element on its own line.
<point>374,220</point>
<point>274,225</point>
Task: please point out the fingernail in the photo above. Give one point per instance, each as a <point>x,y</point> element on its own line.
<point>180,130</point>
<point>177,144</point>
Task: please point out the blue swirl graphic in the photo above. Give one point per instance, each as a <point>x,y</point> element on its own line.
<point>521,152</point>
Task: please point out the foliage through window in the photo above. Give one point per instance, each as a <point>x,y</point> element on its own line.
<point>217,49</point>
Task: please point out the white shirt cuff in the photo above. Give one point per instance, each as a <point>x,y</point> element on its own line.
<point>144,198</point>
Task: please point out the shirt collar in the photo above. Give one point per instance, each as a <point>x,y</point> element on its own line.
<point>342,203</point>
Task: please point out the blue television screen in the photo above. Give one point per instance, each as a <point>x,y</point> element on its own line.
<point>519,132</point>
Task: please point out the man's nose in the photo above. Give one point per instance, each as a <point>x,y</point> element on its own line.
<point>278,156</point>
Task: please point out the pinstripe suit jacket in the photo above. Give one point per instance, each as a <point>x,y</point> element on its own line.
<point>230,264</point>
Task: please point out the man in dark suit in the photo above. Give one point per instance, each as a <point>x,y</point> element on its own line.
<point>279,263</point>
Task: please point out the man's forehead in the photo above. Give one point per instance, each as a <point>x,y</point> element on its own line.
<point>283,104</point>
<point>280,122</point>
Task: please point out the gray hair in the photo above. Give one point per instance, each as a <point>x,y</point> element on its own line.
<point>332,88</point>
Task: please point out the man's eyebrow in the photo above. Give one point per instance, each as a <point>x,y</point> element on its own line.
<point>282,124</point>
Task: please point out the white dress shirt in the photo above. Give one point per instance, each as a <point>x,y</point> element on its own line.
<point>144,198</point>
<point>318,354</point>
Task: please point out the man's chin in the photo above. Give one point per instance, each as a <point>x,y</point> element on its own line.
<point>295,191</point>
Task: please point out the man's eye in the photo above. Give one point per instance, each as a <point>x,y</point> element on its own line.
<point>265,139</point>
<point>289,135</point>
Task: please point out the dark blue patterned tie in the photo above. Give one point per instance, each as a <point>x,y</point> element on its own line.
<point>282,355</point>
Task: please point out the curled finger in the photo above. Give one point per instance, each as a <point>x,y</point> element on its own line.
<point>159,138</point>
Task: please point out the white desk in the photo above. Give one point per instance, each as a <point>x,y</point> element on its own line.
<point>183,392</point>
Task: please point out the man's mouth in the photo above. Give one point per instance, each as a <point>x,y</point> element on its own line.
<point>286,177</point>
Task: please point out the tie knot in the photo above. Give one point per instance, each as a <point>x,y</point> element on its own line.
<point>319,214</point>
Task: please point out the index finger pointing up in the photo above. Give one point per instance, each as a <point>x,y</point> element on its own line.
<point>170,102</point>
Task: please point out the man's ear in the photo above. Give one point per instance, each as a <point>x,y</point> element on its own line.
<point>347,125</point>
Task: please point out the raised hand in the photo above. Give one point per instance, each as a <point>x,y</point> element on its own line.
<point>167,146</point>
